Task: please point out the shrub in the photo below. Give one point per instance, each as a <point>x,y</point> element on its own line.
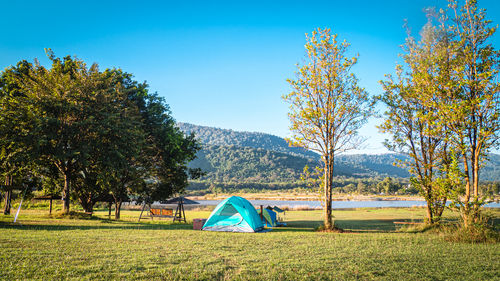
<point>481,231</point>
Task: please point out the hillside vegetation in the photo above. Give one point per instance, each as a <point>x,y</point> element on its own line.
<point>224,137</point>
<point>232,156</point>
<point>232,163</point>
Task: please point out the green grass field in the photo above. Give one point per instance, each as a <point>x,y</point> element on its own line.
<point>43,247</point>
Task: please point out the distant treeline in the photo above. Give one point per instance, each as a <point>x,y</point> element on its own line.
<point>342,185</point>
<point>388,185</point>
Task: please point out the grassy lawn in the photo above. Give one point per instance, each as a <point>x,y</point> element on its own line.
<point>43,247</point>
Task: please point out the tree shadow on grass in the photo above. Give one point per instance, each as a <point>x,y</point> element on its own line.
<point>99,223</point>
<point>380,225</point>
<point>372,226</point>
<point>106,224</point>
<point>298,226</point>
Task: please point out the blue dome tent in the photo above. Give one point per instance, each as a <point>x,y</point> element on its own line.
<point>234,214</point>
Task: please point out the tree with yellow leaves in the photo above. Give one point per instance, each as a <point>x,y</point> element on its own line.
<point>327,106</point>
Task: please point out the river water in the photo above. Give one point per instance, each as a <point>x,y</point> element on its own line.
<point>338,204</point>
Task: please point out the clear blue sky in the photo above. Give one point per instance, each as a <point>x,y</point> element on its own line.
<point>217,63</point>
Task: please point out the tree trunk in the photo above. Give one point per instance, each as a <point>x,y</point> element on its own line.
<point>427,191</point>
<point>439,211</point>
<point>118,205</point>
<point>87,202</point>
<point>430,218</point>
<point>328,222</point>
<point>89,206</point>
<point>475,171</point>
<point>8,196</point>
<point>466,212</point>
<point>66,194</point>
<point>6,209</point>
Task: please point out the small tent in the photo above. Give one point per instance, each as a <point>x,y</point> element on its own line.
<point>234,214</point>
<point>269,218</point>
<point>282,218</point>
<point>277,209</point>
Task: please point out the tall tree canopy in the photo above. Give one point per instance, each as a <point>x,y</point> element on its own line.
<point>445,104</point>
<point>327,106</point>
<point>16,145</point>
<point>473,110</point>
<point>62,100</point>
<point>411,119</point>
<point>100,134</point>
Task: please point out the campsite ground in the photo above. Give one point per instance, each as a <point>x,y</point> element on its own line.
<point>44,247</point>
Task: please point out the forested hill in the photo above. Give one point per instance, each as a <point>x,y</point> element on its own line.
<point>226,137</point>
<point>231,156</point>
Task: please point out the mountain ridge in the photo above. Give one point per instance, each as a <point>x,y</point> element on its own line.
<point>217,136</point>
<point>229,155</point>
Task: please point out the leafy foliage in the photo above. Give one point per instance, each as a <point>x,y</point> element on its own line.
<point>411,120</point>
<point>15,167</point>
<point>95,135</point>
<point>473,109</point>
<point>327,106</point>
<point>444,105</point>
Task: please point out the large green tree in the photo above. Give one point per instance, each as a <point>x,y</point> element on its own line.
<point>446,104</point>
<point>97,134</point>
<point>61,100</point>
<point>411,117</point>
<point>115,139</point>
<point>327,106</point>
<point>473,110</point>
<point>17,150</point>
<point>124,165</point>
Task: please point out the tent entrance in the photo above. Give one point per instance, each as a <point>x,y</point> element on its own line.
<point>228,210</point>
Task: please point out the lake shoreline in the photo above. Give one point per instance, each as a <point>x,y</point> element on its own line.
<point>305,197</point>
<point>279,196</point>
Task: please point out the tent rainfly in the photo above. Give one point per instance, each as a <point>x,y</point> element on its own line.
<point>234,214</point>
